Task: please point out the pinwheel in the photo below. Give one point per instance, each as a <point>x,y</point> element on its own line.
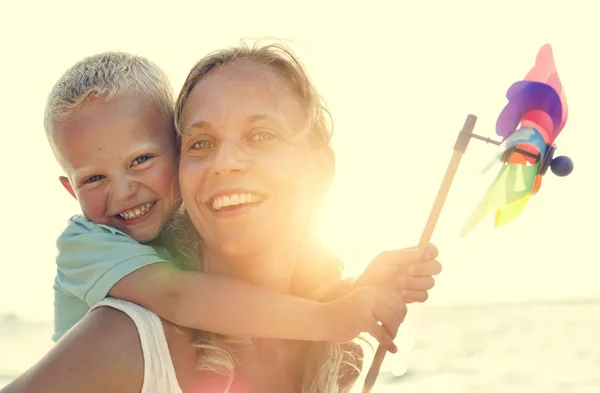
<point>529,124</point>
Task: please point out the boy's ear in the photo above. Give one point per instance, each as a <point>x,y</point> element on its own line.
<point>67,185</point>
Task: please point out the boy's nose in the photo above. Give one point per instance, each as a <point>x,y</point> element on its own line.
<point>124,189</point>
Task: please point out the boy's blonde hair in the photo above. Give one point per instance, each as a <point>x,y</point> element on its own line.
<point>109,76</point>
<point>329,367</point>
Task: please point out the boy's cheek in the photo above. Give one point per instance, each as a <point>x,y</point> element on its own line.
<point>166,179</point>
<point>92,208</point>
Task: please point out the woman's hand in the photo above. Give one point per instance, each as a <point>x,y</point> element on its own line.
<point>409,272</point>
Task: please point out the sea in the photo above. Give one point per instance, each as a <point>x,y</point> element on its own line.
<point>542,347</point>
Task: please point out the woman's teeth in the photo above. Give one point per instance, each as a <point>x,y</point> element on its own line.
<point>137,212</point>
<point>233,200</point>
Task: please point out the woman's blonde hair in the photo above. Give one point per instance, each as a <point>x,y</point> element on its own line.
<point>329,367</point>
<point>280,59</point>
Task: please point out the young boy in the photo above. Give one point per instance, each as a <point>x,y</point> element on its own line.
<point>109,122</point>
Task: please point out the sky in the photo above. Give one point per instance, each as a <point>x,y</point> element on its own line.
<point>399,77</point>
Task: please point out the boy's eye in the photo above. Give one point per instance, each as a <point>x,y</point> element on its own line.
<point>140,160</point>
<point>92,179</point>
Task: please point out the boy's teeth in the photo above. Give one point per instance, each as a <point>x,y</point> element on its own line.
<point>233,200</point>
<point>137,212</point>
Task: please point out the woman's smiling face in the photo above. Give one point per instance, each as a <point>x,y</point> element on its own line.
<point>245,184</point>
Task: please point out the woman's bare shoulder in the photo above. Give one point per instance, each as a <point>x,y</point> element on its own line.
<point>102,353</point>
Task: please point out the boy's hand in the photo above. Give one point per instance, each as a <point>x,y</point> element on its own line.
<point>360,311</point>
<point>408,271</point>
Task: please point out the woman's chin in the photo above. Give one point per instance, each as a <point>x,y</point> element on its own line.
<point>250,247</point>
<point>243,246</point>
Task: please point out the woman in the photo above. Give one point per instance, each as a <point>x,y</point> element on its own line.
<point>255,164</point>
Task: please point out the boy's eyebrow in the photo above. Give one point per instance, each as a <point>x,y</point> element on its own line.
<point>145,146</point>
<point>86,170</point>
<point>134,153</point>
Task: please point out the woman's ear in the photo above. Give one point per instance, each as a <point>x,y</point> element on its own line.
<point>326,165</point>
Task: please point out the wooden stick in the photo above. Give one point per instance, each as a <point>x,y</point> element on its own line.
<point>460,147</point>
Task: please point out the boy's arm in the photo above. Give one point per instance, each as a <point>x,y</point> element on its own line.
<point>92,258</point>
<point>338,290</point>
<point>233,307</point>
<point>95,262</point>
<point>222,305</point>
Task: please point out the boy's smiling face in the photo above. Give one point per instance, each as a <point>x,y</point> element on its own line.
<point>121,160</point>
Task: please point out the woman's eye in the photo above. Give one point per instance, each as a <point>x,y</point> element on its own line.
<point>202,145</point>
<point>93,179</point>
<point>140,160</point>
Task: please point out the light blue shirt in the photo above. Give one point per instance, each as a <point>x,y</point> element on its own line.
<point>91,259</point>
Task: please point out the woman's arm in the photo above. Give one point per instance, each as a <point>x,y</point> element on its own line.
<point>101,354</point>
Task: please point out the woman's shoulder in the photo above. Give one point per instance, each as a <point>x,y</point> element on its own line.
<point>153,346</point>
<point>101,353</point>
<point>113,339</point>
<point>113,324</point>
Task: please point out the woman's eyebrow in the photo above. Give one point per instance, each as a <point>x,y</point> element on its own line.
<point>198,125</point>
<point>258,117</point>
<point>274,119</point>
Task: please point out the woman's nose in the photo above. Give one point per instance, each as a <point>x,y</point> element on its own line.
<point>230,157</point>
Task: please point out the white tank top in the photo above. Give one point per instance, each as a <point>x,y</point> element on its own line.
<point>159,373</point>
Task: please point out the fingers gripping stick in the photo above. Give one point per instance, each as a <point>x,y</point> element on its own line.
<point>459,148</point>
